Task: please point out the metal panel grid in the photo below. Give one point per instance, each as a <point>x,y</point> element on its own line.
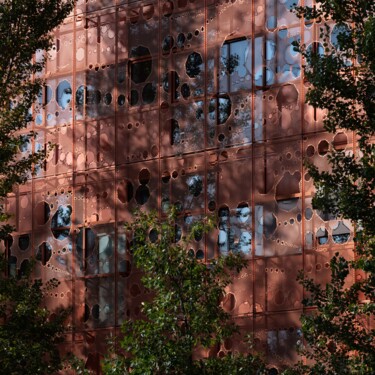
<point>199,103</point>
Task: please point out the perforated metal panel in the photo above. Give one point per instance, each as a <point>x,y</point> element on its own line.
<point>199,103</point>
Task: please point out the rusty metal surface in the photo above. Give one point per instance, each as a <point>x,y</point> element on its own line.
<point>200,103</point>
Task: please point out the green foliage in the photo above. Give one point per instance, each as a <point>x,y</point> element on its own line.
<point>185,312</point>
<point>337,335</point>
<point>28,336</point>
<point>77,365</point>
<point>25,32</point>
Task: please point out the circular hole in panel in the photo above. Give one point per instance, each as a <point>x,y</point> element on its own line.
<point>25,267</point>
<point>60,221</point>
<point>148,11</point>
<point>80,95</point>
<point>170,80</point>
<point>181,40</point>
<point>174,174</point>
<point>166,176</point>
<point>243,212</point>
<point>185,91</point>
<point>287,96</point>
<point>317,47</point>
<point>223,213</point>
<point>269,224</point>
<point>63,94</point>
<point>188,218</point>
<point>271,23</point>
<point>121,100</point>
<point>194,64</point>
<point>309,237</point>
<point>154,151</point>
<point>149,93</point>
<point>341,233</point>
<point>175,133</point>
<point>125,268</point>
<point>310,151</point>
<point>229,302</point>
<point>168,8</point>
<point>134,97</point>
<point>200,254</point>
<point>153,235</point>
<point>211,206</point>
<point>47,94</point>
<point>95,311</point>
<point>93,96</point>
<point>308,213</point>
<point>142,194</point>
<point>144,176</point>
<point>220,108</point>
<point>24,242</point>
<point>164,107</point>
<point>140,70</point>
<point>342,29</point>
<point>125,191</point>
<point>167,43</point>
<point>325,216</point>
<point>108,98</point>
<point>44,253</point>
<point>322,236</point>
<point>42,213</point>
<point>307,177</point>
<point>86,314</point>
<point>323,147</point>
<point>195,184</point>
<point>133,15</point>
<point>340,141</point>
<point>39,119</point>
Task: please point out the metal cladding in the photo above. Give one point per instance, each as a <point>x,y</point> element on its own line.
<point>198,103</point>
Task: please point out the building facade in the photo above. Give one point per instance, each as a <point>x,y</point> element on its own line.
<point>198,103</point>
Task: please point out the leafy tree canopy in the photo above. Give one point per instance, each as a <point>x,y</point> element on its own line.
<point>25,33</point>
<point>341,70</point>
<point>28,337</point>
<point>184,313</point>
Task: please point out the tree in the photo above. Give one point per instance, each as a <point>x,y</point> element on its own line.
<point>28,337</point>
<point>341,71</point>
<point>25,32</point>
<point>184,313</point>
